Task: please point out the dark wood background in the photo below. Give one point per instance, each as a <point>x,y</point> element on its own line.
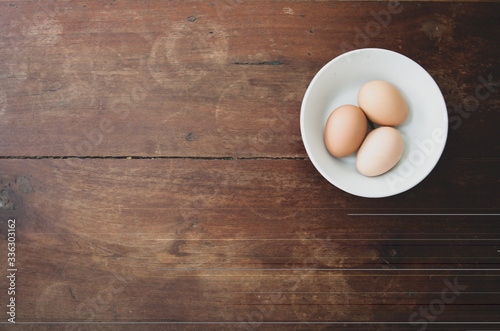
<point>150,153</point>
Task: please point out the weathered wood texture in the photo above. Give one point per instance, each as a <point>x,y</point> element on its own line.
<point>243,240</point>
<point>218,79</point>
<point>182,239</point>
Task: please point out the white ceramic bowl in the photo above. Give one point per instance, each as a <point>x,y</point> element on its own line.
<point>424,131</point>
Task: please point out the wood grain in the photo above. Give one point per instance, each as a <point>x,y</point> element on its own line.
<point>150,153</point>
<point>183,240</point>
<point>218,79</point>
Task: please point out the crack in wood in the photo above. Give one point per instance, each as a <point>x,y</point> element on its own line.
<point>265,63</point>
<point>152,157</point>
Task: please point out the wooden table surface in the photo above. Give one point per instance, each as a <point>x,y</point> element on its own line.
<point>150,154</point>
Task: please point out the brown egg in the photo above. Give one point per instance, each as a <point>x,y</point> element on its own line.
<point>380,151</point>
<point>345,130</point>
<point>382,103</point>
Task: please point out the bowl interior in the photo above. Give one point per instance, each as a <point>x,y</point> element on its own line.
<point>424,131</point>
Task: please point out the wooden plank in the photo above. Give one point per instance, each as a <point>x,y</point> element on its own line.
<point>112,243</point>
<point>183,240</point>
<point>156,78</point>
